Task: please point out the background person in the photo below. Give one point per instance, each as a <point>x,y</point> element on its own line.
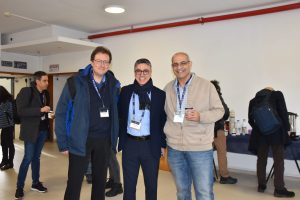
<point>114,181</point>
<point>33,108</point>
<point>259,144</point>
<point>220,141</point>
<point>7,129</point>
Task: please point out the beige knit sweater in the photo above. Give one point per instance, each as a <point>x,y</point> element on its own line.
<point>190,135</point>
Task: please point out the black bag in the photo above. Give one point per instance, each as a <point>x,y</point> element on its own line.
<point>265,116</point>
<point>16,117</point>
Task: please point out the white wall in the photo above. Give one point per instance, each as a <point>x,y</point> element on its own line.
<point>34,63</point>
<point>68,62</point>
<point>6,83</point>
<point>245,55</point>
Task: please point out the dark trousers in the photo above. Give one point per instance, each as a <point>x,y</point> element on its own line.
<point>7,143</point>
<point>278,157</point>
<point>114,167</point>
<point>136,154</point>
<point>98,150</point>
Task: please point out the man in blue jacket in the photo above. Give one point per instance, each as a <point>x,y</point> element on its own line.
<point>93,127</point>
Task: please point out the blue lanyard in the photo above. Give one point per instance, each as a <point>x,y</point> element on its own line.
<point>133,109</point>
<point>44,101</point>
<point>98,93</point>
<point>180,100</point>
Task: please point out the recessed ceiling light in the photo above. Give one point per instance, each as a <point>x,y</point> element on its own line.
<point>115,9</point>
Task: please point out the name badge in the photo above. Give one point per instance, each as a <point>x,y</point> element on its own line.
<point>104,113</point>
<point>135,125</point>
<point>178,117</point>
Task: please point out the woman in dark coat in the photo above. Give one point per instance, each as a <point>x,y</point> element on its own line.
<point>7,126</point>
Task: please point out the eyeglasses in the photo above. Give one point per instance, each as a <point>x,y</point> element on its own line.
<point>144,72</point>
<point>102,62</point>
<point>183,63</point>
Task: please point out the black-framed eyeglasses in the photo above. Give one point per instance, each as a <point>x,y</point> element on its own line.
<point>144,72</point>
<point>102,62</point>
<point>183,63</point>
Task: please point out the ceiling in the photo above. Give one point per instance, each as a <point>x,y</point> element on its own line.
<point>89,16</point>
<point>49,46</point>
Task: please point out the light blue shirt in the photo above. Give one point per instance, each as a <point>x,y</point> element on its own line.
<point>145,123</point>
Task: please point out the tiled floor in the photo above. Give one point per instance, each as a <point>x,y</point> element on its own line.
<point>54,171</point>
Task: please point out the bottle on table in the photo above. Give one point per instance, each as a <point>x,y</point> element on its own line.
<point>238,127</point>
<point>244,127</point>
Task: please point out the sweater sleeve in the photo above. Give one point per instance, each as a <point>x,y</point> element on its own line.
<point>215,110</point>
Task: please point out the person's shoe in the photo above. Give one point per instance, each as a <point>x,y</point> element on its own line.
<point>261,188</point>
<point>7,166</point>
<point>38,187</point>
<point>284,193</point>
<point>89,178</point>
<point>3,163</point>
<point>109,183</point>
<point>19,193</point>
<point>115,190</point>
<point>228,180</point>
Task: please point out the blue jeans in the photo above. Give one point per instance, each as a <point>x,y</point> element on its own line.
<point>192,166</point>
<point>32,155</point>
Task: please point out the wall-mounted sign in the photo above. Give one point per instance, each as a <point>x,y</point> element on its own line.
<point>54,68</point>
<point>6,63</point>
<point>20,65</point>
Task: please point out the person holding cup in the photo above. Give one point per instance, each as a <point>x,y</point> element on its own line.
<point>33,104</point>
<point>192,107</point>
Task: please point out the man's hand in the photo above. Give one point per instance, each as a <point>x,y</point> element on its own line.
<point>45,109</point>
<point>65,152</point>
<point>163,152</point>
<point>192,115</point>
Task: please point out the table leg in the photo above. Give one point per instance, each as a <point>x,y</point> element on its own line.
<point>297,166</point>
<point>270,173</point>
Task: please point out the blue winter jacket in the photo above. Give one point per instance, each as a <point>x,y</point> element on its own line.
<point>74,140</point>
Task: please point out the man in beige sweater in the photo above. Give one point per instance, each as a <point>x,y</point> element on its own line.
<point>192,107</point>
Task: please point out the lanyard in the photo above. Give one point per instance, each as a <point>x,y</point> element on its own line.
<point>180,100</point>
<point>133,109</point>
<point>98,93</point>
<point>44,100</point>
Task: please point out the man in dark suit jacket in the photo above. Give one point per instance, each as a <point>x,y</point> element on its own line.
<point>142,140</point>
<point>259,143</point>
<point>33,108</point>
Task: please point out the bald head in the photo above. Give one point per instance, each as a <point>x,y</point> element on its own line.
<point>269,88</point>
<point>180,54</point>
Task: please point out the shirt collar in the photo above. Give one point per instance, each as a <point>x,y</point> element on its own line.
<point>99,85</point>
<point>176,81</point>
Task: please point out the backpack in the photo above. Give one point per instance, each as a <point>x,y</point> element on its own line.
<point>265,116</point>
<point>70,105</point>
<point>16,117</point>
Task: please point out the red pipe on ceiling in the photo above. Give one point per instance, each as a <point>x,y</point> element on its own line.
<point>201,20</point>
